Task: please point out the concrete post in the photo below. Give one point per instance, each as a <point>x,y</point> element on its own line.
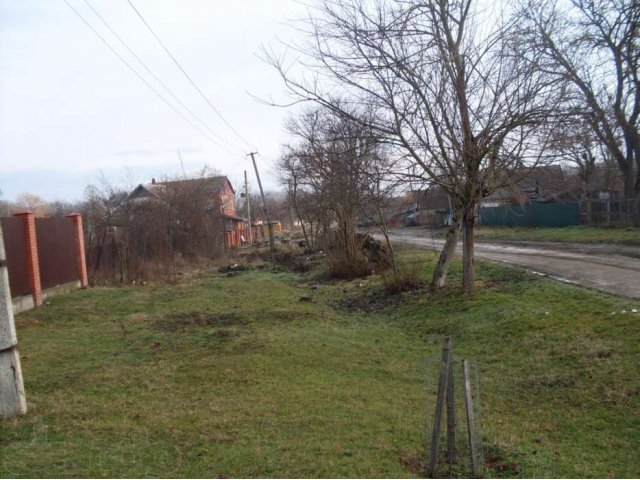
<point>81,260</point>
<point>12,398</point>
<point>33,262</point>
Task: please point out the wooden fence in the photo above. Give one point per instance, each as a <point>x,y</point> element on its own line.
<point>236,238</point>
<point>611,212</point>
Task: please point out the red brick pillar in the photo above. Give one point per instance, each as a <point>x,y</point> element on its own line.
<point>81,260</point>
<point>33,262</point>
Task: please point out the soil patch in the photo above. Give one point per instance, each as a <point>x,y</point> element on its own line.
<point>499,463</point>
<point>370,301</point>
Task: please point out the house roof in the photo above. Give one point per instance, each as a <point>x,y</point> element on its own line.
<point>547,180</point>
<point>434,198</point>
<point>234,217</point>
<point>154,189</point>
<point>537,184</point>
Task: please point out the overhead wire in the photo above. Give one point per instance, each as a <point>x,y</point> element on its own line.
<point>187,76</point>
<point>157,79</point>
<point>123,60</point>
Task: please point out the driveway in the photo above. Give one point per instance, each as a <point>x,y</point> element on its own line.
<point>608,268</point>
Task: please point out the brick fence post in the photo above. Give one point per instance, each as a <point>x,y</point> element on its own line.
<point>81,260</point>
<point>33,262</point>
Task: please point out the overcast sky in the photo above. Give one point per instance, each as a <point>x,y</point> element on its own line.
<point>69,108</point>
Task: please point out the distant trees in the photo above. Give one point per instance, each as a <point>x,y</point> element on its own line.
<point>29,202</point>
<point>594,45</point>
<point>59,208</point>
<point>449,91</point>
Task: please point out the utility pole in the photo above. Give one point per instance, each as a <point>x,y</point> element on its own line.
<point>272,243</point>
<point>291,205</point>
<point>246,199</point>
<point>12,399</point>
<point>184,174</point>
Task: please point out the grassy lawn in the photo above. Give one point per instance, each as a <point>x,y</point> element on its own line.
<point>236,377</point>
<point>577,234</point>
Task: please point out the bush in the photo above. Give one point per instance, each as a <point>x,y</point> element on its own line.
<point>407,278</point>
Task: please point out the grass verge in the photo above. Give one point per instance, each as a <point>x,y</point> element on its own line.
<point>575,234</point>
<point>266,373</point>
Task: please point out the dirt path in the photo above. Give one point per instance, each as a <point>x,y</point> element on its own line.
<point>616,271</point>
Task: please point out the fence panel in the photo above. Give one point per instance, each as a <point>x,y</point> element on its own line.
<point>534,215</point>
<point>612,212</point>
<point>56,250</point>
<point>16,252</point>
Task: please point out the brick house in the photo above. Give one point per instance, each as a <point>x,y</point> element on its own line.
<point>221,200</point>
<point>543,184</point>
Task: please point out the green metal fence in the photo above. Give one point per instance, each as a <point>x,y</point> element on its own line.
<point>533,215</point>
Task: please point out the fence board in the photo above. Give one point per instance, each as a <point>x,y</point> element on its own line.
<point>533,215</point>
<point>56,250</point>
<point>13,232</point>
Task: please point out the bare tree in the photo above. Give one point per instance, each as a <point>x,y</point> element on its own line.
<point>32,203</point>
<point>59,208</point>
<point>594,44</point>
<point>304,201</point>
<point>329,164</point>
<point>449,90</point>
<point>381,188</point>
<point>105,212</point>
<point>573,143</point>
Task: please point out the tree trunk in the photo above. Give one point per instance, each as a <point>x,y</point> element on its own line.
<point>304,230</point>
<point>394,260</point>
<point>635,204</point>
<point>446,255</point>
<point>468,254</point>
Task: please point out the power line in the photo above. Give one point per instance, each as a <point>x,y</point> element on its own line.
<point>145,81</point>
<point>187,75</point>
<point>167,89</point>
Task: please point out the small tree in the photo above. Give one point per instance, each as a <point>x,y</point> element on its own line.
<point>381,189</point>
<point>304,202</point>
<point>330,164</point>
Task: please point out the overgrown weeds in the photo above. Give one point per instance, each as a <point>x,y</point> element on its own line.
<point>406,277</point>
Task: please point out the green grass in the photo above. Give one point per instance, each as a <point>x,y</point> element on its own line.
<point>576,234</point>
<point>235,376</point>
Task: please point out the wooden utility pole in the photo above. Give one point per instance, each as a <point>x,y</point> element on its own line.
<point>12,398</point>
<point>451,416</point>
<point>246,199</point>
<point>471,428</point>
<point>446,392</point>
<point>272,243</point>
<point>443,386</point>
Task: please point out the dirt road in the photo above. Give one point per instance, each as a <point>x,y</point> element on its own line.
<point>616,271</point>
